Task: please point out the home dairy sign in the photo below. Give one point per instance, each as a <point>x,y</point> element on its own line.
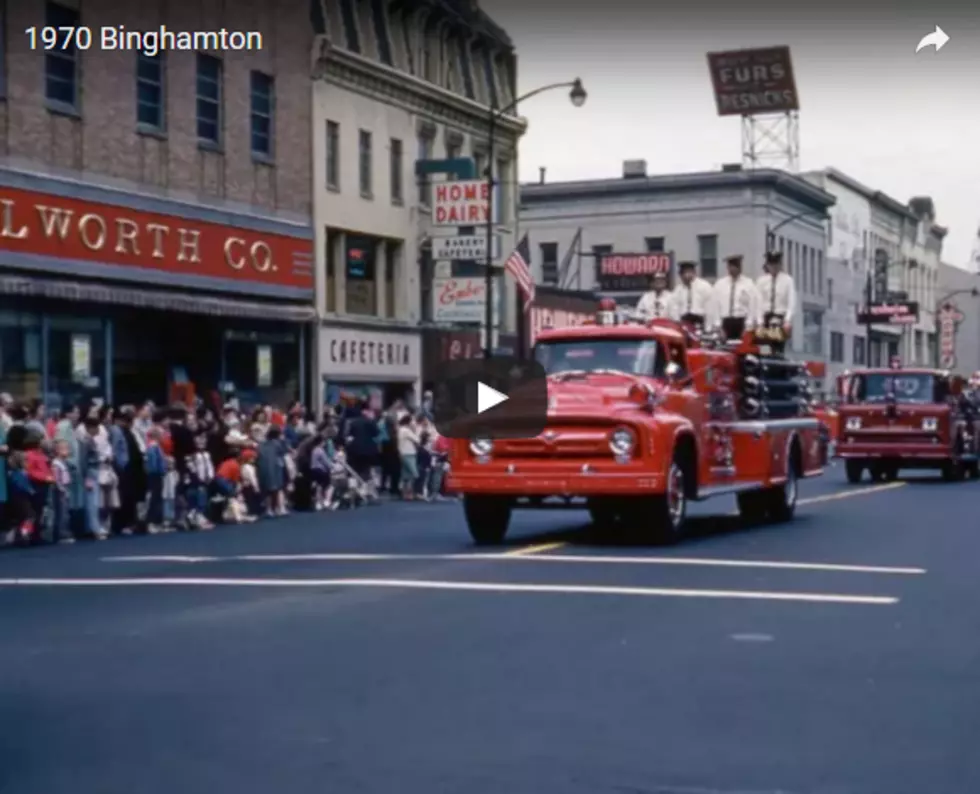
<point>949,320</point>
<point>119,242</point>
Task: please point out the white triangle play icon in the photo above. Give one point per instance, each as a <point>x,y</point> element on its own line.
<point>487,398</point>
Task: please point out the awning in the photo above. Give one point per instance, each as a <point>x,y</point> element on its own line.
<point>154,299</point>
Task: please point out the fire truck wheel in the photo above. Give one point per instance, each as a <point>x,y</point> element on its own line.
<point>854,470</point>
<point>487,518</point>
<point>669,510</point>
<point>751,506</point>
<point>953,471</point>
<point>781,499</point>
<point>973,469</point>
<point>603,514</point>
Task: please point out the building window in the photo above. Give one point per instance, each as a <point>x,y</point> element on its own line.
<point>503,186</point>
<point>549,263</point>
<point>655,245</point>
<point>364,143</point>
<point>491,79</point>
<point>708,255</point>
<point>860,345</point>
<point>480,163</point>
<point>397,165</point>
<point>348,15</point>
<point>820,276</point>
<point>837,347</point>
<point>599,251</point>
<point>61,63</point>
<point>407,26</point>
<point>381,31</point>
<point>150,102</point>
<point>360,275</point>
<point>263,98</point>
<point>454,151</point>
<point>3,48</point>
<point>466,69</point>
<point>333,155</point>
<point>812,332</point>
<point>425,154</point>
<point>208,98</point>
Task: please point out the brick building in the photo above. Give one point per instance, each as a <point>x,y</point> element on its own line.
<point>155,211</point>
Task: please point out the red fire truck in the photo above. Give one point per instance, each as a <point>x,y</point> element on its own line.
<point>644,418</point>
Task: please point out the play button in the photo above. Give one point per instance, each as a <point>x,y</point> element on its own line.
<point>502,397</point>
<point>488,397</point>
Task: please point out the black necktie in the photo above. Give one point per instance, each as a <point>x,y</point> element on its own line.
<point>731,302</point>
<point>772,302</point>
<point>690,297</point>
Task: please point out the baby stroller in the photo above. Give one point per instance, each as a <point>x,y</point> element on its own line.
<point>360,491</point>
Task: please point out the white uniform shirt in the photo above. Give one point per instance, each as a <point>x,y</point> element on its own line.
<point>738,298</point>
<point>776,295</point>
<point>698,298</point>
<point>654,304</point>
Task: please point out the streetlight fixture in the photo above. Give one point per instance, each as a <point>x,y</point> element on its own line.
<point>577,96</point>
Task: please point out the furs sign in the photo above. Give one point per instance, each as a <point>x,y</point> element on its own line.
<point>949,319</point>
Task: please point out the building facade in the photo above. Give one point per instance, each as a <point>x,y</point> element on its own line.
<point>155,230</point>
<point>957,345</point>
<point>397,86</point>
<point>703,217</point>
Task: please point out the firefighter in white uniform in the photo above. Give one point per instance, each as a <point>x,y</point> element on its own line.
<point>736,300</point>
<point>693,301</point>
<point>655,304</point>
<point>778,295</point>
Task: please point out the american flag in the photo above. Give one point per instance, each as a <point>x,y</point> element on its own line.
<point>517,266</point>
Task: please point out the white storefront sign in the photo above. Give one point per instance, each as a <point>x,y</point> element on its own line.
<point>461,203</point>
<point>464,247</point>
<point>363,353</point>
<point>459,300</point>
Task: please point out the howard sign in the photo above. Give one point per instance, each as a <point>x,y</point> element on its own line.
<point>48,232</point>
<point>949,320</point>
<point>632,272</point>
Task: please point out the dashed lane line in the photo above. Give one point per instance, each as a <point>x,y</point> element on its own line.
<point>489,587</point>
<point>538,548</point>
<point>548,558</point>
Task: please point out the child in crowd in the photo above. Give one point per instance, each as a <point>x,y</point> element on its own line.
<point>20,498</point>
<point>251,494</point>
<point>228,485</point>
<point>61,493</point>
<point>156,471</point>
<point>408,444</point>
<point>320,461</point>
<point>38,468</point>
<point>200,473</point>
<point>271,468</point>
<point>169,495</point>
<point>339,492</point>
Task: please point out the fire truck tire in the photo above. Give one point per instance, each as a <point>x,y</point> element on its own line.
<point>854,470</point>
<point>668,511</point>
<point>953,471</point>
<point>751,506</point>
<point>603,514</point>
<point>781,499</point>
<point>487,518</point>
<point>973,469</point>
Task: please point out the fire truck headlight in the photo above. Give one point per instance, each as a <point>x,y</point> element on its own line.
<point>622,441</point>
<point>853,423</point>
<point>481,447</point>
<point>930,424</point>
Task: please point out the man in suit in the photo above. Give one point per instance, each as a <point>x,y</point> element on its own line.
<point>737,300</point>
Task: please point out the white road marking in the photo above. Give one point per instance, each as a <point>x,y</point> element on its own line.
<point>424,584</point>
<point>552,558</point>
<point>749,637</point>
<point>833,497</point>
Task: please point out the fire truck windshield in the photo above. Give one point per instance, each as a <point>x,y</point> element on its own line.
<point>902,387</point>
<point>633,356</point>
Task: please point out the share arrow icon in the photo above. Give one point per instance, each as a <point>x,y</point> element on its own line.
<point>937,39</point>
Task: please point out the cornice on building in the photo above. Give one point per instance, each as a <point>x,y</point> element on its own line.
<point>365,76</point>
<point>786,184</point>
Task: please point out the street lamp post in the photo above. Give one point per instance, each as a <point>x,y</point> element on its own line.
<point>577,96</point>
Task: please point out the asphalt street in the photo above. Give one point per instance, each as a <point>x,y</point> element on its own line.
<point>379,652</point>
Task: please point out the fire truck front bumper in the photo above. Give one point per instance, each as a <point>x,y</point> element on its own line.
<point>908,452</point>
<point>566,480</point>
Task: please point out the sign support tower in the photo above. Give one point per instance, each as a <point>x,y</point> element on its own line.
<point>771,141</point>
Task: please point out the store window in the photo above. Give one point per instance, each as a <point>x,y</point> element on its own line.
<point>263,366</point>
<point>20,354</point>
<point>76,360</point>
<point>812,333</point>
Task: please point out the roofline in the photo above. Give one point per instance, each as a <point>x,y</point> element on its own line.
<point>782,182</point>
<point>875,196</point>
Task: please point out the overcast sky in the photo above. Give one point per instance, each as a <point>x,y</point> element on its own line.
<point>899,122</point>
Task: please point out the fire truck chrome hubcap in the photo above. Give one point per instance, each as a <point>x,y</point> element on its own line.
<point>675,494</point>
<point>791,486</point>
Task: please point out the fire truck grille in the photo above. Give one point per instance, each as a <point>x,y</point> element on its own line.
<point>557,442</point>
